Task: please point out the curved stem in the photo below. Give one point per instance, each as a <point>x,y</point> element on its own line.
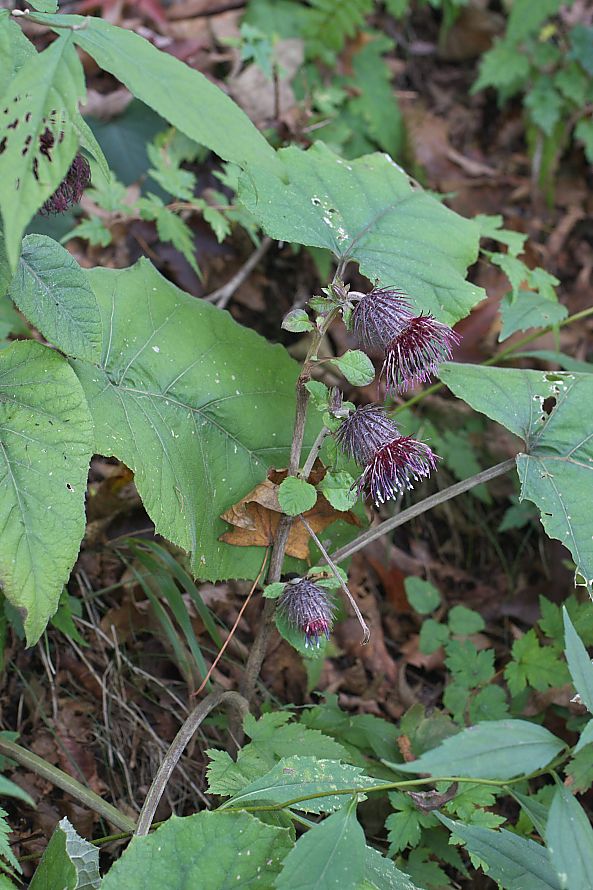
<point>176,748</point>
<point>66,783</point>
<point>417,509</point>
<point>315,449</point>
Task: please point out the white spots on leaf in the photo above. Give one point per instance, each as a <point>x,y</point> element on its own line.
<point>156,349</point>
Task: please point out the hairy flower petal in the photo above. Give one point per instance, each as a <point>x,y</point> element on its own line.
<point>364,431</point>
<point>416,352</point>
<point>379,317</point>
<point>308,608</point>
<point>395,467</point>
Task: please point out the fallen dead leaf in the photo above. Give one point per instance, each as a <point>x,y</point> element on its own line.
<point>255,517</point>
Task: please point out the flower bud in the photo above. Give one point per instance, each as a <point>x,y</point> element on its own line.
<point>416,352</point>
<point>308,608</point>
<point>379,316</point>
<point>394,467</point>
<point>364,431</point>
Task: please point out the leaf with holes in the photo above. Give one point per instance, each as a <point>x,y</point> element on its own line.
<point>164,83</point>
<point>368,211</point>
<point>38,139</point>
<point>196,405</point>
<point>45,448</point>
<point>549,411</point>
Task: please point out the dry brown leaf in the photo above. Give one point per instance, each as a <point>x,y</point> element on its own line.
<point>255,517</point>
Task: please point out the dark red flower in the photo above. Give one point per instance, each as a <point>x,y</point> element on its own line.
<point>308,608</point>
<point>364,431</point>
<point>69,192</point>
<point>416,352</point>
<point>393,468</point>
<point>379,316</point>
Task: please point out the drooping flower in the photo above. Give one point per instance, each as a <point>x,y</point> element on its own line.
<point>379,316</point>
<point>416,352</point>
<point>364,431</point>
<point>394,467</point>
<point>308,608</point>
<point>77,179</point>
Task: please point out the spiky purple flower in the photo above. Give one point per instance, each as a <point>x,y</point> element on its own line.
<point>308,608</point>
<point>69,192</point>
<point>394,467</point>
<point>379,316</point>
<point>364,431</point>
<point>415,353</point>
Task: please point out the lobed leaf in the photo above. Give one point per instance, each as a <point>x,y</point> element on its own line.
<point>69,862</point>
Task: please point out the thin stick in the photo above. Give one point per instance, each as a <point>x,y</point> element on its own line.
<point>68,784</point>
<point>315,449</point>
<point>176,748</point>
<point>234,627</point>
<point>222,296</point>
<point>365,629</point>
<point>417,509</point>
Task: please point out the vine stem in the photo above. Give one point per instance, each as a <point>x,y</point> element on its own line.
<point>68,784</point>
<point>260,643</point>
<point>365,629</point>
<point>393,786</point>
<point>176,748</point>
<point>417,509</point>
<point>500,356</point>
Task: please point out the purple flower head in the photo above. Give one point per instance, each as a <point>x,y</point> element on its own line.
<point>379,316</point>
<point>364,431</point>
<point>394,467</point>
<point>308,608</point>
<point>415,353</point>
<point>69,192</point>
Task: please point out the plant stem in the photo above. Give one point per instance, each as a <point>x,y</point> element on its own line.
<point>417,509</point>
<point>62,780</point>
<point>500,356</point>
<point>365,629</point>
<point>260,643</point>
<point>406,783</point>
<point>315,449</point>
<point>176,748</point>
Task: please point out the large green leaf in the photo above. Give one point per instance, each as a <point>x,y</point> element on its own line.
<point>381,874</point>
<point>579,663</point>
<point>294,777</point>
<point>196,405</point>
<point>569,837</point>
<point>15,49</point>
<point>42,96</point>
<point>174,90</point>
<point>517,863</point>
<point>495,749</point>
<point>209,851</point>
<point>45,448</point>
<point>549,411</point>
<point>368,211</point>
<point>51,289</point>
<point>69,862</point>
<point>328,856</point>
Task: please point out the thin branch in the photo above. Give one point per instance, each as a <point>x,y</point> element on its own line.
<point>417,509</point>
<point>222,296</point>
<point>67,783</point>
<point>176,748</point>
<point>365,629</point>
<point>234,627</point>
<point>315,449</point>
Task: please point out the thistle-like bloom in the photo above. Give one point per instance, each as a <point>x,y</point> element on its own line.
<point>364,431</point>
<point>77,179</point>
<point>308,608</point>
<point>415,353</point>
<point>379,316</point>
<point>394,467</point>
